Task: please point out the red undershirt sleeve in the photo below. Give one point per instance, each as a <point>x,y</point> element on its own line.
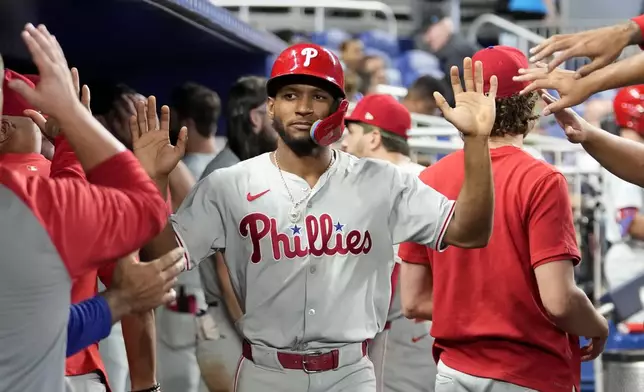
<point>117,212</point>
<point>550,223</point>
<point>411,252</point>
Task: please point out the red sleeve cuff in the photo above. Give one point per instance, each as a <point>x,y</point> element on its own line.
<point>556,255</point>
<point>639,20</point>
<point>413,253</point>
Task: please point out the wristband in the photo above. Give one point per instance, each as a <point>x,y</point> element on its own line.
<point>639,20</point>
<point>154,388</point>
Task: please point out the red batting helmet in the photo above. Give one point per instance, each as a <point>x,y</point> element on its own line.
<point>307,63</point>
<point>629,108</point>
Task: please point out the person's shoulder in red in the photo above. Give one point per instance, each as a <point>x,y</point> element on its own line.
<point>28,164</point>
<point>485,301</point>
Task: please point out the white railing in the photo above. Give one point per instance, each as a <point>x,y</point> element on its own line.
<point>319,9</point>
<point>525,38</point>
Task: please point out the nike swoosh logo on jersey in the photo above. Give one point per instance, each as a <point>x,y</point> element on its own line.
<point>417,339</point>
<point>250,197</point>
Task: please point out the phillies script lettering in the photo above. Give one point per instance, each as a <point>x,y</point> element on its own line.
<point>320,237</point>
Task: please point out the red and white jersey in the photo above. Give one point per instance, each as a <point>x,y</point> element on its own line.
<point>319,275</point>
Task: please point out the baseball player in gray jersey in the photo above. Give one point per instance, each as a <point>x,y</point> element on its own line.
<point>401,353</point>
<point>310,257</point>
<point>250,134</point>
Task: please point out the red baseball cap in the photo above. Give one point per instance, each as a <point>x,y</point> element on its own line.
<point>14,103</point>
<point>382,111</point>
<point>504,62</point>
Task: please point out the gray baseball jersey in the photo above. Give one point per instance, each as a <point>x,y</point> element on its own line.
<point>225,158</point>
<point>405,362</point>
<point>318,276</point>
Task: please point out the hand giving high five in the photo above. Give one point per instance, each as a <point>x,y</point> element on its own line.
<point>50,127</point>
<point>151,139</point>
<point>475,111</point>
<point>54,94</point>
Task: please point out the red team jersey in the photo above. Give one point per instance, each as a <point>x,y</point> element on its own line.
<point>31,164</point>
<point>65,165</point>
<point>488,317</point>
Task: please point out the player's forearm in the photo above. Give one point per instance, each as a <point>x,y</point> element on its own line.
<point>622,157</point>
<point>91,142</point>
<point>579,316</point>
<point>421,310</point>
<point>620,74</point>
<point>139,336</point>
<point>181,182</point>
<point>471,226</point>
<point>416,286</point>
<point>160,245</point>
<point>166,240</point>
<point>230,300</point>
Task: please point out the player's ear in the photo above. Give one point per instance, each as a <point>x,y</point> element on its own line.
<point>270,107</point>
<point>375,138</point>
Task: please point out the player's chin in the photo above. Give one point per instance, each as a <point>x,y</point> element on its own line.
<point>298,134</point>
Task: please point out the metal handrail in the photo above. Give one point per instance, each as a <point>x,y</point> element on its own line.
<point>524,35</point>
<point>318,6</point>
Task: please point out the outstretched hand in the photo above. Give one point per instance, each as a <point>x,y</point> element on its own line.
<point>50,127</point>
<point>145,286</point>
<point>573,91</point>
<point>603,46</point>
<point>54,94</point>
<point>475,111</point>
<point>151,139</point>
<point>574,126</point>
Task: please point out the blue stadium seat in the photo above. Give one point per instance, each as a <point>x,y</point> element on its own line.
<point>381,40</point>
<point>331,38</point>
<point>416,63</point>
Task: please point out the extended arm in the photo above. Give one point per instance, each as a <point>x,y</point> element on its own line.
<point>226,286</point>
<point>471,225</point>
<point>620,156</point>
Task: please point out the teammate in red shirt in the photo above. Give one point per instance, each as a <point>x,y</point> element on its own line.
<point>509,313</point>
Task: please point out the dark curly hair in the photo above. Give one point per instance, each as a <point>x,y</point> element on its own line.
<point>515,115</point>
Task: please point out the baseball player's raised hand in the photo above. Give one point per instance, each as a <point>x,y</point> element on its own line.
<point>475,111</point>
<point>49,127</point>
<point>573,125</point>
<point>602,46</point>
<point>151,139</point>
<point>573,91</point>
<point>139,287</point>
<point>54,94</point>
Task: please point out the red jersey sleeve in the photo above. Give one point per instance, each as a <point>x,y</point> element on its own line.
<point>411,252</point>
<point>640,22</point>
<point>64,162</point>
<point>106,272</point>
<point>551,229</point>
<point>92,223</point>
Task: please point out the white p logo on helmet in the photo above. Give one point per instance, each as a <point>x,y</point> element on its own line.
<point>309,53</point>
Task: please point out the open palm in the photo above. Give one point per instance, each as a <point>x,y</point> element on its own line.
<point>475,111</point>
<point>151,139</point>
